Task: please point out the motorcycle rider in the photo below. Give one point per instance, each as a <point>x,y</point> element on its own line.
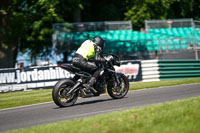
<point>90,49</point>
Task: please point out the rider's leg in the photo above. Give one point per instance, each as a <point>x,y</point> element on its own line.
<point>93,79</point>
<point>88,67</point>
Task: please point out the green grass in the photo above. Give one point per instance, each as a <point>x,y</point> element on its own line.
<point>182,116</point>
<point>145,85</point>
<point>14,99</point>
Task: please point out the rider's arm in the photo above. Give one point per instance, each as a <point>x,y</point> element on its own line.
<point>98,56</point>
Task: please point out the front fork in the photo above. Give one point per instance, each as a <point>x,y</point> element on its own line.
<point>117,84</point>
<point>116,78</point>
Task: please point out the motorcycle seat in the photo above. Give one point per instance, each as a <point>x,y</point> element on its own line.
<point>76,68</point>
<point>70,67</point>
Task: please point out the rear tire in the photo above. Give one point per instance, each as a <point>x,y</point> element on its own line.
<point>122,90</point>
<point>59,92</point>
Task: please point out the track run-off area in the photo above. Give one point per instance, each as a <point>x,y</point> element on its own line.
<point>27,116</point>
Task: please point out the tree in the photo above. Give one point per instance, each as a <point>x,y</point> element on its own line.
<point>41,16</point>
<point>104,10</point>
<point>10,30</point>
<point>70,10</point>
<point>161,9</point>
<point>26,25</point>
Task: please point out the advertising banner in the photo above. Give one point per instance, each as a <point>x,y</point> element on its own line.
<point>46,77</point>
<point>132,69</point>
<point>31,78</point>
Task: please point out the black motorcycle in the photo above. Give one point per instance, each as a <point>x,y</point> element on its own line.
<point>66,92</point>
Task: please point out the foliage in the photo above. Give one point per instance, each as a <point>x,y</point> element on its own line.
<point>39,18</point>
<point>26,25</point>
<point>104,10</point>
<point>161,9</point>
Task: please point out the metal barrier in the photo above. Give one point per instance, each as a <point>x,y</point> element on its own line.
<point>150,70</point>
<point>96,26</point>
<point>197,24</point>
<point>170,23</point>
<point>175,69</point>
<point>156,70</point>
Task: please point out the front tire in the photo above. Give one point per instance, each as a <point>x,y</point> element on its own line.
<point>119,91</point>
<point>60,93</point>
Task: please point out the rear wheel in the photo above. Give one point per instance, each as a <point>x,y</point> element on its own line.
<point>118,91</point>
<point>60,93</point>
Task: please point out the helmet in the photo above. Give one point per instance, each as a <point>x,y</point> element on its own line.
<point>98,41</point>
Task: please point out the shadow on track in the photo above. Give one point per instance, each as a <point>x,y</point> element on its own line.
<point>89,102</point>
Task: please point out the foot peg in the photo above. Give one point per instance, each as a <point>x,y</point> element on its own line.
<point>85,94</point>
<point>88,88</point>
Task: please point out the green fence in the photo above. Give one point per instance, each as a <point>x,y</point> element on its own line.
<point>169,69</point>
<point>155,70</point>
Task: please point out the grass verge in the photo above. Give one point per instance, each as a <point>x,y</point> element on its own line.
<point>14,99</point>
<point>172,117</point>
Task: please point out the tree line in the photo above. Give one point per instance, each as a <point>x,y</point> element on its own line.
<point>26,25</point>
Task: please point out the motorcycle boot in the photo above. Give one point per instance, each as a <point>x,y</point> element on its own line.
<point>89,85</point>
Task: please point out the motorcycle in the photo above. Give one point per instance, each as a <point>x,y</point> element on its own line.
<point>66,92</point>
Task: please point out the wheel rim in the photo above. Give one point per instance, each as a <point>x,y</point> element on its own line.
<point>119,90</point>
<point>62,94</point>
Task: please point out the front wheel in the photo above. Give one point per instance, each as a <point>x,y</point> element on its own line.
<point>120,90</point>
<point>60,93</point>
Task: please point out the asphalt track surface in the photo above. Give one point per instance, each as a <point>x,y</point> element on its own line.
<point>27,116</point>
